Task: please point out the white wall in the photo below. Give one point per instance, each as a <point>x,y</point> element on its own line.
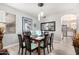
<point>9,39</point>
<point>57,19</point>
<point>77,23</point>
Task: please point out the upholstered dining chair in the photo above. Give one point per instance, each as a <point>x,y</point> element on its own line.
<point>30,46</point>
<point>50,43</point>
<point>21,44</point>
<point>44,43</point>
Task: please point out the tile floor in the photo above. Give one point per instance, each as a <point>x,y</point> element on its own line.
<point>63,47</point>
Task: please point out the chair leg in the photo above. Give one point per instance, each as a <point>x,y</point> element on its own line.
<point>30,52</point>
<point>50,47</point>
<point>22,51</point>
<point>47,49</point>
<point>38,51</point>
<point>44,51</point>
<point>19,51</point>
<point>25,51</point>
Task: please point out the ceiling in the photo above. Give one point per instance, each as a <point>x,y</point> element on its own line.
<point>48,8</point>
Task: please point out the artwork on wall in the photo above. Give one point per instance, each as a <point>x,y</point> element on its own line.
<point>7,22</point>
<point>48,26</point>
<point>26,24</point>
<point>10,23</point>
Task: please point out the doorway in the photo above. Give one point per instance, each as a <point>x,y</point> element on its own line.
<point>69,25</point>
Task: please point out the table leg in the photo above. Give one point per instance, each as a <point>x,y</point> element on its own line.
<point>39,48</point>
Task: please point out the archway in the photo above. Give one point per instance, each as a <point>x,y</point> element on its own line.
<point>69,25</point>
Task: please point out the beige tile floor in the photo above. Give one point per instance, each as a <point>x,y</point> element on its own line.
<point>63,47</point>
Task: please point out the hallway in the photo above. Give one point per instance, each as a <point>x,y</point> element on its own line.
<point>64,47</point>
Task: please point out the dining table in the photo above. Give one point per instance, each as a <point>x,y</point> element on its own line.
<point>38,40</point>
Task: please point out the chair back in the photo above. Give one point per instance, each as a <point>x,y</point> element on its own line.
<point>27,40</point>
<point>46,39</point>
<point>20,40</point>
<point>51,37</point>
<point>28,33</point>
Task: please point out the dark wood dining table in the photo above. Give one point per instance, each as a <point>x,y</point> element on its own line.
<point>38,40</point>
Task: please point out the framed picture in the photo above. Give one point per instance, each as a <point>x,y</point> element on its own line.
<point>10,23</point>
<point>48,26</point>
<point>26,24</point>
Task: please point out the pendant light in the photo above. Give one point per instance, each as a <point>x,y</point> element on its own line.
<point>41,14</point>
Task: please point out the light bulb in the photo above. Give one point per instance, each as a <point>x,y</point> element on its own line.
<point>39,17</point>
<point>42,14</point>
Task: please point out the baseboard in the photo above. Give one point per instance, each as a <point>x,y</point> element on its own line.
<point>10,45</point>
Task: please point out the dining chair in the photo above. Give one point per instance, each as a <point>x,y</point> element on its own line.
<point>30,45</point>
<point>50,42</point>
<point>21,44</point>
<point>44,43</point>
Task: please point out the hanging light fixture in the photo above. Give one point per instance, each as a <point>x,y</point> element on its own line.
<point>40,4</point>
<point>41,14</point>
